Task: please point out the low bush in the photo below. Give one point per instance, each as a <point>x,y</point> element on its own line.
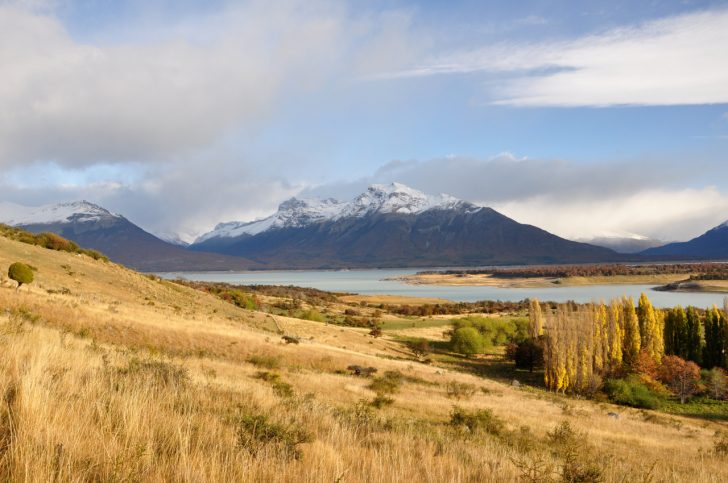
<point>255,433</point>
<point>480,421</point>
<point>389,383</point>
<point>265,361</point>
<point>460,390</point>
<point>632,392</point>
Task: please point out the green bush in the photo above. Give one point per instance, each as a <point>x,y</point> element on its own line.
<point>467,341</point>
<point>313,315</point>
<point>255,432</point>
<point>632,392</point>
<point>389,383</point>
<point>21,273</point>
<point>482,420</point>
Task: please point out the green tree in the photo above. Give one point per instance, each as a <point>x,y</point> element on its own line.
<point>21,273</point>
<point>694,336</point>
<point>467,341</point>
<point>715,339</point>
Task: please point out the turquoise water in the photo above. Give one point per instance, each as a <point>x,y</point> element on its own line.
<point>372,282</point>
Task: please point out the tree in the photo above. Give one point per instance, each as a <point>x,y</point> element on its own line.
<point>716,383</point>
<point>676,333</point>
<point>420,348</point>
<point>527,354</point>
<point>694,336</point>
<point>535,319</point>
<point>467,341</point>
<point>21,273</point>
<point>632,342</point>
<point>681,376</point>
<point>650,328</point>
<point>716,330</point>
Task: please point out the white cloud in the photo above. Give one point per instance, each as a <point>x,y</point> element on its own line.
<point>166,91</point>
<point>574,200</point>
<point>677,214</point>
<point>674,61</point>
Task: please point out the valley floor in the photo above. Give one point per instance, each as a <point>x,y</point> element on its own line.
<point>106,374</point>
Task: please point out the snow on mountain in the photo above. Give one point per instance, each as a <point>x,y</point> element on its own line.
<point>76,211</point>
<point>396,198</point>
<point>392,198</point>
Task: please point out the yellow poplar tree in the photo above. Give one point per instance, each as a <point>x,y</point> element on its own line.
<point>651,324</point>
<point>632,343</point>
<point>535,319</point>
<point>616,334</point>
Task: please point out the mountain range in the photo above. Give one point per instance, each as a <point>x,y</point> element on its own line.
<point>92,226</point>
<point>386,226</point>
<point>392,226</point>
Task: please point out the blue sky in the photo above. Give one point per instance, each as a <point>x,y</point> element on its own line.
<point>184,114</point>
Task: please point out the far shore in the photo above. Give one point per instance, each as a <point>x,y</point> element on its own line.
<point>488,280</point>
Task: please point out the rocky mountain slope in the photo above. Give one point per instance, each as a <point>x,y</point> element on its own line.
<point>712,244</point>
<point>92,226</point>
<point>389,226</point>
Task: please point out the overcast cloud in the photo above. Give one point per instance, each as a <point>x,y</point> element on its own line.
<point>187,122</point>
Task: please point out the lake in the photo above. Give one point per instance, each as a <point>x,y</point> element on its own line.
<point>372,282</point>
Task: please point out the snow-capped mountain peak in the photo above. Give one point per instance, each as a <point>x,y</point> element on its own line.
<point>396,198</point>
<point>295,212</point>
<point>76,211</point>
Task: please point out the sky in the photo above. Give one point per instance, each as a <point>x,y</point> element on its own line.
<point>585,118</point>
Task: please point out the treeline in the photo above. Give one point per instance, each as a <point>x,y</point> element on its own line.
<point>585,344</point>
<point>50,241</point>
<point>699,271</point>
<point>457,308</point>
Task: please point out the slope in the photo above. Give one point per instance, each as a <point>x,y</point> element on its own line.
<point>107,374</point>
<point>711,245</point>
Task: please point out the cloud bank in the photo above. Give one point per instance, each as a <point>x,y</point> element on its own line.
<point>673,61</point>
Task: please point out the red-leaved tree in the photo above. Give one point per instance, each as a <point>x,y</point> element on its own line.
<point>681,376</point>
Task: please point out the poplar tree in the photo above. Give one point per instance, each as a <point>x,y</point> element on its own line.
<point>650,328</point>
<point>616,335</point>
<point>535,319</point>
<point>632,343</point>
<point>694,336</point>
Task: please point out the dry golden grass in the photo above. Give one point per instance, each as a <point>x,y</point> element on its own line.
<point>127,378</point>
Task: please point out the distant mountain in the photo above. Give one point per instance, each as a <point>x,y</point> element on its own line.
<point>392,226</point>
<point>92,226</point>
<point>627,244</point>
<point>712,245</point>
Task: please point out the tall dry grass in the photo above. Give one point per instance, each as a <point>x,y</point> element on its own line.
<point>102,385</point>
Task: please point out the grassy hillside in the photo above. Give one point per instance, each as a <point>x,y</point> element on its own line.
<point>106,374</point>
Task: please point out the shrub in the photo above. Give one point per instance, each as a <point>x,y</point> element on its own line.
<point>467,341</point>
<point>256,432</point>
<point>482,420</point>
<point>157,373</point>
<point>460,390</point>
<point>313,315</point>
<point>265,361</point>
<point>571,446</point>
<point>389,383</point>
<point>376,331</point>
<point>381,400</point>
<point>631,392</point>
<point>21,273</point>
<point>420,348</point>
<point>716,383</point>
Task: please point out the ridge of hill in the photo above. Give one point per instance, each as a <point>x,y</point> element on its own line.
<point>177,384</point>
